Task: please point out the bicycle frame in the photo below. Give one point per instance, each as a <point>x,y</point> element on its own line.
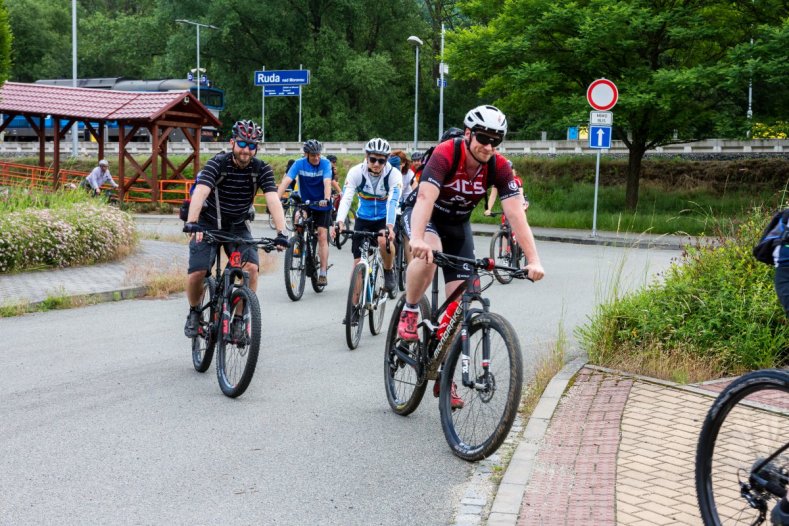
<point>225,280</point>
<point>371,260</point>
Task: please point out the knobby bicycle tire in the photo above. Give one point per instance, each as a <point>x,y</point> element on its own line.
<point>401,264</point>
<point>736,434</point>
<point>203,344</point>
<point>235,364</point>
<point>495,408</point>
<point>500,255</point>
<point>315,257</point>
<point>295,273</point>
<point>354,311</point>
<point>404,386</point>
<point>377,313</point>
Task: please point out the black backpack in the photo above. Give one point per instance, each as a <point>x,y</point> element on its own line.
<point>774,234</point>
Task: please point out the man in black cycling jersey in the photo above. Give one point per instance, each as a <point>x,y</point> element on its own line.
<point>438,218</point>
<point>224,192</point>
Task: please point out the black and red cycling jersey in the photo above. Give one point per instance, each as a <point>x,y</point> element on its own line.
<point>460,192</point>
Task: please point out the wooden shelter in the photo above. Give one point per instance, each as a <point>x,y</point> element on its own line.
<point>161,113</point>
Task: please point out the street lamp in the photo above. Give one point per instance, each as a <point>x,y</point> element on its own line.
<point>417,42</point>
<point>198,25</point>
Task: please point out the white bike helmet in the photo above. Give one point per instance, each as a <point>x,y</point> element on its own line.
<point>378,145</point>
<point>486,118</point>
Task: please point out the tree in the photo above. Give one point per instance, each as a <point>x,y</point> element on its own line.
<point>673,62</point>
<point>5,43</point>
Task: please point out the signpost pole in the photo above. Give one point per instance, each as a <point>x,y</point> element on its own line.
<point>441,88</point>
<point>602,95</point>
<point>300,67</point>
<point>596,186</point>
<point>263,110</point>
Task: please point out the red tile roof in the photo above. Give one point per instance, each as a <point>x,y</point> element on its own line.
<point>95,104</point>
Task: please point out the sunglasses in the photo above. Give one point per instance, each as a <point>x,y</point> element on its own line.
<point>485,139</point>
<point>377,160</point>
<point>246,144</point>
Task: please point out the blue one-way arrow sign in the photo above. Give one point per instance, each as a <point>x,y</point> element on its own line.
<point>600,137</point>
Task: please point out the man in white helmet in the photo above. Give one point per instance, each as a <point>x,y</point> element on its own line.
<point>454,180</point>
<point>99,176</point>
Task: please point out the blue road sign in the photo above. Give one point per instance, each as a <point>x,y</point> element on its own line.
<point>287,77</point>
<point>441,83</point>
<point>600,137</point>
<point>281,91</point>
<point>572,133</point>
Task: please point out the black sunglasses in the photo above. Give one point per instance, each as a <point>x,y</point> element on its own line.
<point>247,144</point>
<point>485,139</point>
<point>377,160</point>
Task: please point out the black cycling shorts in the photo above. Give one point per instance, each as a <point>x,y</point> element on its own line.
<point>202,255</point>
<point>456,240</point>
<point>365,225</point>
<point>321,217</point>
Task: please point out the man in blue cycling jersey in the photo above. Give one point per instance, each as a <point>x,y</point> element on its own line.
<point>314,179</point>
<point>378,185</point>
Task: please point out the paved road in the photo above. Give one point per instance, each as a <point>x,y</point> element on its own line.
<point>105,421</point>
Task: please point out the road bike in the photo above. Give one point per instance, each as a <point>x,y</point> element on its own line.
<point>288,208</point>
<point>505,251</point>
<point>302,259</point>
<point>229,316</point>
<point>480,354</point>
<point>742,465</point>
<point>366,293</point>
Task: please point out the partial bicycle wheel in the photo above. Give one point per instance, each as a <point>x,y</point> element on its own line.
<point>203,344</point>
<point>404,384</point>
<point>401,263</point>
<point>237,351</point>
<point>354,308</point>
<point>741,459</point>
<point>343,236</point>
<point>288,210</point>
<point>295,272</point>
<point>501,253</point>
<point>316,259</point>
<point>476,430</point>
<point>378,311</point>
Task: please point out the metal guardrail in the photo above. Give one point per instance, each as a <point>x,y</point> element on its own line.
<point>711,146</point>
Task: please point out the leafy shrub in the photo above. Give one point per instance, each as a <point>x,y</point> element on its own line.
<point>79,233</point>
<point>717,305</point>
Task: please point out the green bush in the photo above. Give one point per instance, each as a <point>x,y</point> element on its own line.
<point>717,305</point>
<point>60,231</point>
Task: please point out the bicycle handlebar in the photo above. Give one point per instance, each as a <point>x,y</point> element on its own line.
<point>219,236</point>
<point>442,259</point>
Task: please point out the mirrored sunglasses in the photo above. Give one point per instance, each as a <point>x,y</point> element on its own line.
<point>377,160</point>
<point>246,144</point>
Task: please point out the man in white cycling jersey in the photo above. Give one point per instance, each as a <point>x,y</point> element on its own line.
<point>378,185</point>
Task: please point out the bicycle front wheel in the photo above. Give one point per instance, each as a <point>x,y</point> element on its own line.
<point>354,309</point>
<point>295,273</point>
<point>746,425</point>
<point>477,429</point>
<point>401,264</point>
<point>403,371</point>
<point>237,352</point>
<point>376,314</point>
<point>203,344</point>
<point>501,253</point>
<point>316,259</point>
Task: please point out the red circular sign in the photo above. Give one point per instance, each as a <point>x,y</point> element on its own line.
<point>602,94</point>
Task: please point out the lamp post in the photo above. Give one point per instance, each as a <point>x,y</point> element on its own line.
<point>417,42</point>
<point>197,25</point>
<point>75,126</point>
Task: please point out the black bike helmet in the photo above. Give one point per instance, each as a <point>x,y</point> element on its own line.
<point>416,156</point>
<point>247,130</point>
<point>313,146</point>
<point>332,158</point>
<point>451,134</point>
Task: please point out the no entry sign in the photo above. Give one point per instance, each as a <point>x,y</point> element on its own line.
<point>602,94</point>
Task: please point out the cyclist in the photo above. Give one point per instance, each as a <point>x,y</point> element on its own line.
<point>494,193</point>
<point>378,185</point>
<point>416,160</point>
<point>314,179</point>
<point>97,177</point>
<point>335,181</point>
<point>437,216</point>
<point>233,178</point>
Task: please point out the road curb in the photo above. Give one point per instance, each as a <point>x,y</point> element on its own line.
<point>105,296</point>
<point>507,504</point>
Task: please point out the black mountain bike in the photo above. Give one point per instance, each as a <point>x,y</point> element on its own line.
<point>742,465</point>
<point>480,354</point>
<point>302,259</point>
<point>505,251</point>
<point>229,317</point>
<point>366,294</point>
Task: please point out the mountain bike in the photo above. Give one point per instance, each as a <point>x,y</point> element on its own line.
<point>401,261</point>
<point>229,317</point>
<point>480,354</point>
<point>366,292</point>
<point>302,259</point>
<point>505,251</point>
<point>288,208</point>
<point>742,465</point>
<point>340,238</point>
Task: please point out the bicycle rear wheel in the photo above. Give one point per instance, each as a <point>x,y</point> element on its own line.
<point>376,315</point>
<point>295,273</point>
<point>203,344</point>
<point>746,424</point>
<point>403,380</point>
<point>354,310</point>
<point>501,253</point>
<point>237,351</point>
<point>343,236</point>
<point>478,429</point>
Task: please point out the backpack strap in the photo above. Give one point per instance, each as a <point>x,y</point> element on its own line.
<point>222,175</point>
<point>456,157</point>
